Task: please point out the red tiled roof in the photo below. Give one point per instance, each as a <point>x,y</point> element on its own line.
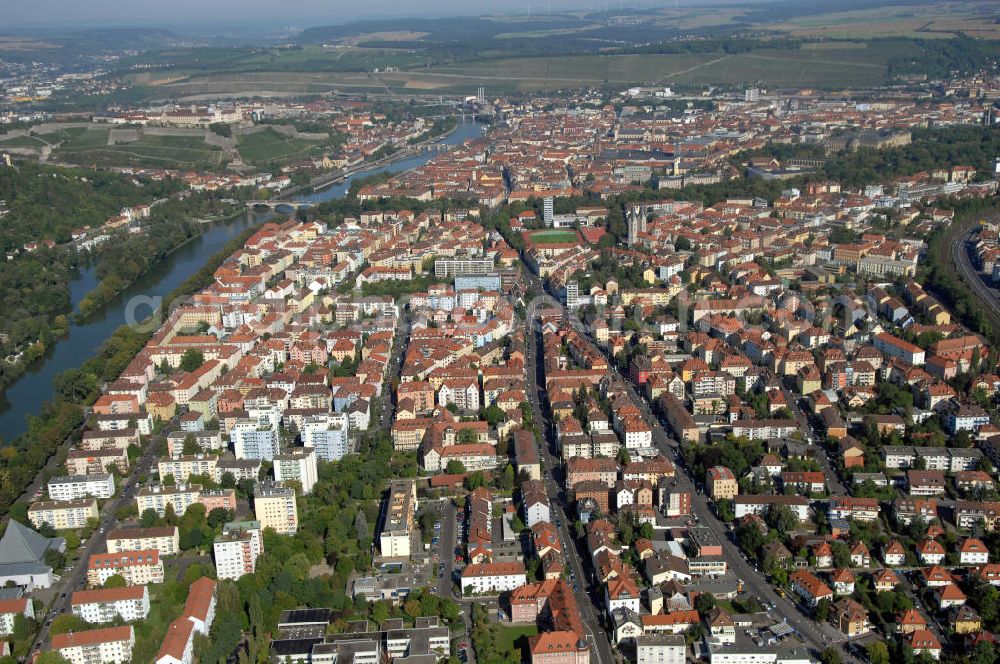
<point>91,637</point>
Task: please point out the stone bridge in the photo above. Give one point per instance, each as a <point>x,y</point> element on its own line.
<point>275,204</point>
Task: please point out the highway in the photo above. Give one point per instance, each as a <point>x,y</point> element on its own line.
<point>817,636</point>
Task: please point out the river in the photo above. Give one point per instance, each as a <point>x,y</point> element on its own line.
<point>24,397</point>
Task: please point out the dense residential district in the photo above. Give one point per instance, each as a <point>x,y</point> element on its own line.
<point>508,413</point>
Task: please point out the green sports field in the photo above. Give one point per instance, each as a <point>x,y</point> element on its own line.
<point>553,237</point>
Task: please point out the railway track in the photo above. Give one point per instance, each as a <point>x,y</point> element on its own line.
<point>960,257</point>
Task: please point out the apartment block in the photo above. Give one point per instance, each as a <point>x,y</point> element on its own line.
<point>157,497</point>
<point>165,539</point>
<point>104,605</point>
<point>275,507</point>
<point>237,548</point>
<point>298,465</point>
<point>109,645</point>
<point>74,487</point>
<point>68,515</point>
<point>398,520</point>
<point>138,568</point>
<point>182,467</point>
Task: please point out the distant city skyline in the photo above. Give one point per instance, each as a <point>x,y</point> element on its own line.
<point>300,13</point>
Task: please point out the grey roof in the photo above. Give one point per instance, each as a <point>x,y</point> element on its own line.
<point>21,544</point>
<point>22,550</point>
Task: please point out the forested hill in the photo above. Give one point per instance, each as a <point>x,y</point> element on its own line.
<point>48,203</point>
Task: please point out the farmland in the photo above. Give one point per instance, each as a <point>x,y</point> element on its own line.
<point>91,147</point>
<point>822,64</point>
<point>269,145</point>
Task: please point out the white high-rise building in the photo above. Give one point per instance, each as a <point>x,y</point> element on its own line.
<point>327,434</point>
<point>237,548</point>
<point>548,210</point>
<point>254,439</point>
<point>298,464</point>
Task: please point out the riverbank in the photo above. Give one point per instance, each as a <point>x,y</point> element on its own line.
<point>36,386</point>
<point>323,181</point>
<point>103,293</point>
<point>53,429</point>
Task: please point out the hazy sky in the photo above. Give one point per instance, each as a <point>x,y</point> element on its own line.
<point>301,13</point>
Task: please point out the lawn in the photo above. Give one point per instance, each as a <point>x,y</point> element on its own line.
<point>269,145</point>
<point>553,237</point>
<point>509,638</point>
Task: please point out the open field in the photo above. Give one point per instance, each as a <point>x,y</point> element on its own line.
<point>826,66</point>
<point>270,84</point>
<point>185,64</point>
<point>269,145</point>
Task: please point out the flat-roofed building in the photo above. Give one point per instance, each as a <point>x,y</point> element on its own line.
<point>236,550</point>
<point>74,487</point>
<point>275,507</point>
<point>298,465</point>
<point>660,649</point>
<point>398,519</point>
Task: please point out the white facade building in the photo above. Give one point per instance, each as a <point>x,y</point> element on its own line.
<point>299,465</point>
<point>104,605</point>
<point>74,487</point>
<point>237,549</point>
